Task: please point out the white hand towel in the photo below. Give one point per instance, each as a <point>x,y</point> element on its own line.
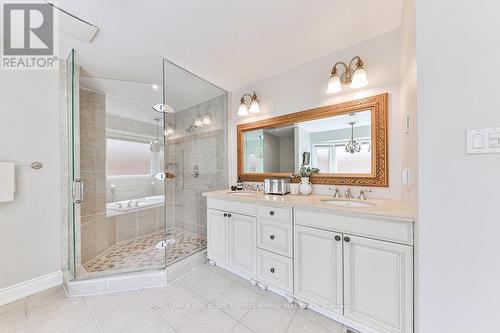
<point>7,181</point>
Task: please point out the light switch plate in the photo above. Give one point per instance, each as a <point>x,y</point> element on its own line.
<point>405,177</point>
<point>483,141</point>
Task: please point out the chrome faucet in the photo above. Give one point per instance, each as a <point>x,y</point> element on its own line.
<point>362,194</point>
<point>348,193</point>
<point>336,192</point>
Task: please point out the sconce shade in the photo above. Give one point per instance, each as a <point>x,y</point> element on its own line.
<point>334,85</point>
<point>254,106</point>
<point>359,78</point>
<point>243,110</point>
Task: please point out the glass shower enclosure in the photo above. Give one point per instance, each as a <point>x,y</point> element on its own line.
<point>140,156</point>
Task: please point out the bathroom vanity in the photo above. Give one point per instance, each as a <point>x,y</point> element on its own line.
<point>351,260</point>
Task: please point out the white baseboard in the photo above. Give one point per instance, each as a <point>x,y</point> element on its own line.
<point>30,287</point>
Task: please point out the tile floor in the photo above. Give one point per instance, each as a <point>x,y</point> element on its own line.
<point>208,299</point>
<point>141,253</point>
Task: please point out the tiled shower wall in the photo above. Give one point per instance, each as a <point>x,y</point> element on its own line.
<point>205,147</point>
<point>97,230</point>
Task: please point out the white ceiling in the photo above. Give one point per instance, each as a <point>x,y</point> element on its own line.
<point>230,43</point>
<point>362,118</point>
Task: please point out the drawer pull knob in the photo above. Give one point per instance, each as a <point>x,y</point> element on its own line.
<point>347,239</point>
<point>228,215</point>
<point>225,214</point>
<point>272,270</point>
<point>272,236</point>
<point>337,238</point>
<point>271,213</point>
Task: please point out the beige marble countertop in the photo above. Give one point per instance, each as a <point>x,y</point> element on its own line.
<point>382,208</point>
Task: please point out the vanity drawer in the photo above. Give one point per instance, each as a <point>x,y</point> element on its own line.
<point>275,237</point>
<point>240,207</point>
<point>394,230</point>
<point>275,213</point>
<point>275,269</point>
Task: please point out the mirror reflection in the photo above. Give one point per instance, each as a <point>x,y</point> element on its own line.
<point>339,144</point>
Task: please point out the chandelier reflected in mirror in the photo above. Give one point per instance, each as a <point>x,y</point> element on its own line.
<point>352,146</point>
<point>156,146</point>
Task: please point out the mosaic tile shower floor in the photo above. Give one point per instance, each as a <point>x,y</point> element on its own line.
<point>141,252</point>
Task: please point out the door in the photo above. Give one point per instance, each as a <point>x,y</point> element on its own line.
<point>318,267</point>
<point>378,284</point>
<point>218,236</point>
<point>243,243</point>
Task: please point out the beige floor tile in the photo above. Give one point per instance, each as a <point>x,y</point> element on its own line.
<point>330,324</point>
<point>47,302</point>
<point>126,312</point>
<point>237,301</point>
<point>209,321</point>
<point>303,325</point>
<point>268,317</point>
<point>74,318</point>
<point>176,303</point>
<point>207,283</point>
<point>13,317</point>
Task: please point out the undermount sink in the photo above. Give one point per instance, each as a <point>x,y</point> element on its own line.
<point>348,203</point>
<point>240,192</point>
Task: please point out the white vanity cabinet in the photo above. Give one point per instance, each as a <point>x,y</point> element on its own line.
<point>355,268</point>
<point>318,267</point>
<point>378,284</point>
<point>368,281</point>
<point>242,250</point>
<point>218,236</point>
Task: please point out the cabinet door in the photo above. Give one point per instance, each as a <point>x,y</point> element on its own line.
<point>243,243</point>
<point>218,236</point>
<point>378,284</point>
<point>318,267</point>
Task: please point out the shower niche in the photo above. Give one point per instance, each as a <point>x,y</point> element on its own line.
<point>136,199</point>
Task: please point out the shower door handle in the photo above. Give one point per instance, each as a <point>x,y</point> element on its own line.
<point>77,191</point>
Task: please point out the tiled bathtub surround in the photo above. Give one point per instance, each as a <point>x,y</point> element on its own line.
<point>138,223</point>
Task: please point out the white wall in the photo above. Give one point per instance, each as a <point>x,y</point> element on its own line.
<point>304,87</point>
<point>30,226</point>
<point>458,210</point>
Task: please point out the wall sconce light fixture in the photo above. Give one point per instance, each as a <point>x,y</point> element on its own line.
<point>254,105</point>
<point>353,77</point>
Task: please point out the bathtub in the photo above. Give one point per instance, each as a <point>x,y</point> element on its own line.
<point>134,204</point>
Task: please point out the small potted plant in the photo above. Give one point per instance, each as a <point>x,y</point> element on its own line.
<point>305,172</point>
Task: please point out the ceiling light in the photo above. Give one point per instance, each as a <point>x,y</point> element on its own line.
<point>352,146</point>
<point>254,105</point>
<point>353,77</point>
<point>155,86</point>
<point>169,130</point>
<point>198,121</point>
<point>207,120</point>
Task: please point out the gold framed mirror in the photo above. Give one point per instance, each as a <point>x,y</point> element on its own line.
<point>346,141</point>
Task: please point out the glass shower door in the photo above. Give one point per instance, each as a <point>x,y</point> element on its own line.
<point>195,124</point>
<point>116,149</point>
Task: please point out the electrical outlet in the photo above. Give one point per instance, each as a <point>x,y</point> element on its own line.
<point>405,177</point>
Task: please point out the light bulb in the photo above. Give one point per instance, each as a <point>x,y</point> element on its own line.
<point>155,86</point>
<point>334,85</point>
<point>207,120</point>
<point>243,110</point>
<point>254,106</point>
<point>359,78</point>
